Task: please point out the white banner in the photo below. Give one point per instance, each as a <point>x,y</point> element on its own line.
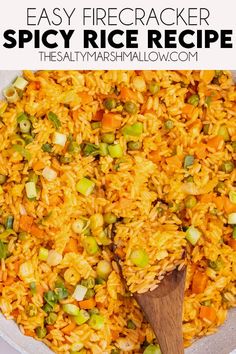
<point>139,34</point>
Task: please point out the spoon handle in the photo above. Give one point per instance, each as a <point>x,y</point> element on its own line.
<point>163,309</point>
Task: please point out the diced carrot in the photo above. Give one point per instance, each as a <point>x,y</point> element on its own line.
<point>120,253</point>
<point>154,156</point>
<point>36,231</point>
<point>9,281</point>
<point>39,165</point>
<point>85,97</point>
<point>174,162</point>
<point>17,266</point>
<point>75,114</point>
<point>69,328</point>
<point>29,333</point>
<point>50,328</point>
<point>207,76</point>
<point>26,222</point>
<point>229,207</point>
<point>199,282</point>
<point>200,151</point>
<point>15,313</point>
<point>207,313</point>
<point>127,94</point>
<point>98,115</point>
<point>232,244</point>
<point>216,143</point>
<point>87,304</point>
<point>215,95</point>
<point>219,202</point>
<point>111,121</point>
<point>206,198</point>
<point>71,246</point>
<point>188,109</point>
<point>114,334</point>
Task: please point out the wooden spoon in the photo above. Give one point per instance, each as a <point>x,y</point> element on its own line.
<point>163,309</point>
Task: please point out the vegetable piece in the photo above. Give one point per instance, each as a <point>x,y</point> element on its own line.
<point>25,126</point>
<point>135,129</point>
<point>73,147</point>
<point>54,119</point>
<point>82,317</point>
<point>152,349</point>
<point>3,179</point>
<point>87,304</point>
<point>22,151</point>
<point>215,265</point>
<point>206,128</point>
<point>36,231</point>
<point>103,269</point>
<point>26,222</point>
<point>199,282</point>
<point>110,103</point>
<point>33,288</point>
<point>78,226</point>
<point>26,272</point>
<point>134,145</point>
<point>227,166</point>
<point>139,257</point>
<point>96,220</point>
<point>9,222</point>
<point>130,107</point>
<point>108,138</point>
<point>188,161</point>
<point>223,131</point>
<point>96,125</point>
<point>54,258</point>
<point>47,147</point>
<point>31,310</point>
<point>139,84</point>
<point>65,159</point>
<point>69,328</point>
<point>85,186</point>
<point>232,219</point>
<point>41,332</point>
<point>190,201</point>
<point>153,87</point>
<point>22,117</point>
<point>59,139</point>
<point>207,313</point>
<point>103,149</point>
<point>88,283</point>
<point>234,233</point>
<point>33,177</point>
<point>20,83</point>
<point>11,94</point>
<point>131,324</point>
<point>71,309</point>
<point>79,292</point>
<point>96,322</point>
<point>50,297</point>
<point>30,189</point>
<point>62,293</point>
<point>193,235</point>
<point>51,319</point>
<point>232,244</point>
<point>43,254</point>
<point>3,250</point>
<point>169,124</point>
<point>115,151</point>
<point>110,218</point>
<point>232,197</point>
<point>216,143</point>
<point>111,121</point>
<point>49,174</point>
<point>90,245</point>
<point>194,100</point>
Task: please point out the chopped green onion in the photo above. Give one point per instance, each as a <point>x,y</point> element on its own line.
<point>103,149</point>
<point>22,117</point>
<point>3,179</point>
<point>108,138</point>
<point>47,308</point>
<point>134,145</point>
<point>139,258</point>
<point>234,233</point>
<point>193,235</point>
<point>96,125</point>
<point>65,159</point>
<point>223,131</point>
<point>110,103</point>
<point>135,129</point>
<point>194,100</point>
<point>73,147</point>
<point>47,147</point>
<point>131,324</point>
<point>215,265</point>
<point>232,219</point>
<point>90,245</point>
<point>71,309</point>
<point>79,292</point>
<point>82,317</point>
<point>96,322</point>
<point>232,196</point>
<point>78,226</point>
<point>51,319</point>
<point>206,303</point>
<point>88,283</point>
<point>43,254</point>
<point>152,349</point>
<point>11,94</point>
<point>169,124</point>
<point>85,186</point>
<point>90,293</point>
<point>61,292</point>
<point>110,218</point>
<point>103,269</point>
<point>32,177</point>
<point>3,250</point>
<point>49,174</point>
<point>153,87</point>
<point>54,119</point>
<point>227,166</point>
<point>33,288</point>
<point>20,83</point>
<point>25,126</point>
<point>22,151</point>
<point>9,222</point>
<point>130,107</point>
<point>220,187</point>
<point>30,189</point>
<point>188,161</point>
<point>91,149</point>
<point>190,201</point>
<point>94,310</point>
<point>41,332</point>
<point>59,139</point>
<point>96,220</point>
<point>115,151</point>
<point>50,297</point>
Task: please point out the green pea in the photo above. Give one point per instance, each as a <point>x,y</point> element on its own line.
<point>152,349</point>
<point>227,166</point>
<point>41,332</point>
<point>153,87</point>
<point>109,218</point>
<point>51,319</point>
<point>3,179</point>
<point>169,124</point>
<point>110,103</point>
<point>25,126</point>
<point>194,100</point>
<point>215,265</point>
<point>130,107</point>
<point>190,201</point>
<point>108,138</point>
<point>134,145</point>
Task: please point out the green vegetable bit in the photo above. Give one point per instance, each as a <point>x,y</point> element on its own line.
<point>3,250</point>
<point>134,145</point>
<point>22,151</point>
<point>47,147</point>
<point>31,310</point>
<point>103,149</point>
<point>71,309</point>
<point>54,119</point>
<point>115,151</point>
<point>41,332</point>
<point>47,308</point>
<point>33,288</point>
<point>96,125</point>
<point>32,177</point>
<point>131,324</point>
<point>96,322</point>
<point>153,87</point>
<point>223,131</point>
<point>190,201</point>
<point>25,126</point>
<point>152,349</point>
<point>50,297</point>
<point>91,149</point>
<point>234,233</point>
<point>110,103</point>
<point>22,117</point>
<point>115,351</point>
<point>108,138</point>
<point>194,100</point>
<point>215,265</point>
<point>73,147</point>
<point>82,317</point>
<point>188,161</point>
<point>135,129</point>
<point>88,283</point>
<point>85,186</point>
<point>139,257</point>
<point>169,124</point>
<point>90,245</point>
<point>9,222</point>
<point>65,159</point>
<point>130,107</point>
<point>62,293</point>
<point>227,166</point>
<point>51,319</point>
<point>109,218</point>
<point>90,293</point>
